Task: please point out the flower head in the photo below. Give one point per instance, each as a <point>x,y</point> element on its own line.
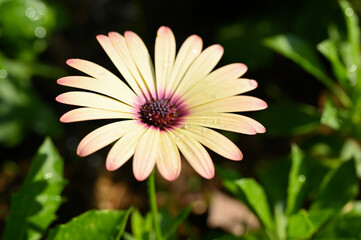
<point>163,109</point>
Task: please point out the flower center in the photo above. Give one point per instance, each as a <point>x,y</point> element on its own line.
<point>160,113</point>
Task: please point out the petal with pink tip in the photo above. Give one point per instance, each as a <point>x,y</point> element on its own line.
<point>84,114</point>
<point>86,99</point>
<point>104,75</point>
<point>194,152</point>
<point>124,148</point>
<point>202,66</point>
<point>141,58</point>
<point>165,50</point>
<point>227,88</point>
<point>227,122</point>
<point>120,61</point>
<point>102,87</point>
<point>169,162</point>
<point>216,142</point>
<point>189,51</point>
<point>226,73</point>
<point>146,153</point>
<point>104,136</point>
<point>230,104</point>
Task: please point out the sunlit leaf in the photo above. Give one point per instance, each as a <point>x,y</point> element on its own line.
<point>353,38</point>
<point>94,224</point>
<point>303,224</point>
<point>352,150</point>
<point>256,198</point>
<point>142,228</point>
<point>330,50</point>
<point>330,115</point>
<point>296,181</point>
<point>33,207</point>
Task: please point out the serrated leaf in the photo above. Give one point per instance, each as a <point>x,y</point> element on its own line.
<point>33,207</point>
<point>338,187</point>
<point>330,115</point>
<point>94,224</point>
<point>256,199</point>
<point>296,180</point>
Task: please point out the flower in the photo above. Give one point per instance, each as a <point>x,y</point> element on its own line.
<point>164,109</point>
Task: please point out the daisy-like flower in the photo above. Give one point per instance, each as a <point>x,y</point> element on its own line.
<point>164,109</point>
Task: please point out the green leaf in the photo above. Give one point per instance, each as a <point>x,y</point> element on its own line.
<point>344,226</point>
<point>301,118</point>
<point>352,150</point>
<point>330,50</point>
<point>353,38</point>
<point>299,51</point>
<point>255,197</point>
<point>296,181</point>
<point>330,115</point>
<point>142,228</point>
<point>169,225</point>
<point>33,207</point>
<point>303,224</point>
<point>94,224</point>
<point>338,187</point>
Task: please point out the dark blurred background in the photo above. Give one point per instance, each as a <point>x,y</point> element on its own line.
<point>37,37</point>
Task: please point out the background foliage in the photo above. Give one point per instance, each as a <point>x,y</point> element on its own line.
<point>301,178</point>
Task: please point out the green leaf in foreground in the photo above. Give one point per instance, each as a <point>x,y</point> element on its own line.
<point>169,225</point>
<point>303,224</point>
<point>94,224</point>
<point>296,180</point>
<point>255,197</point>
<point>33,207</point>
<point>330,115</point>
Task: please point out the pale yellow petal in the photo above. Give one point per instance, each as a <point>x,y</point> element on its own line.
<point>220,75</point>
<point>120,61</point>
<point>104,75</point>
<point>95,85</point>
<point>146,153</point>
<point>104,136</point>
<point>194,153</point>
<point>227,88</point>
<point>230,104</point>
<point>165,49</point>
<point>216,142</point>
<point>200,68</point>
<point>228,122</point>
<point>124,148</point>
<point>142,59</point>
<point>93,100</point>
<point>84,114</point>
<point>169,162</point>
<point>189,51</point>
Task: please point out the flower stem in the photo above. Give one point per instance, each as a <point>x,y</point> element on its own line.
<point>153,205</point>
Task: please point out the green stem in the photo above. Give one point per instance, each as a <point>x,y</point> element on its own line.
<point>153,205</point>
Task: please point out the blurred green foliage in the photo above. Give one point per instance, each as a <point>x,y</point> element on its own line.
<point>25,27</point>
